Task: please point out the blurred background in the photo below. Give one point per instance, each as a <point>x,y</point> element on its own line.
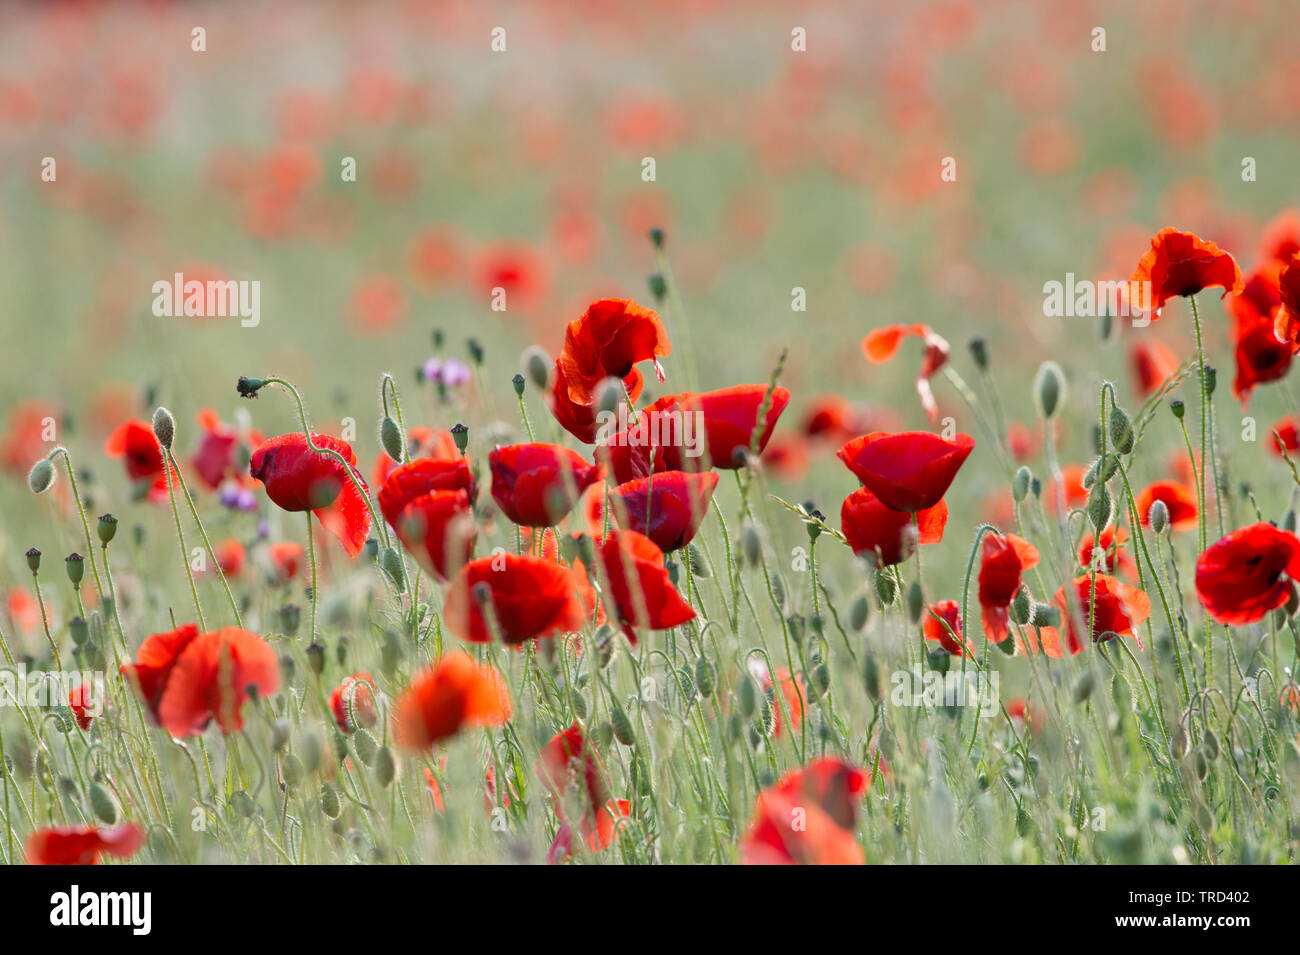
<point>775,168</point>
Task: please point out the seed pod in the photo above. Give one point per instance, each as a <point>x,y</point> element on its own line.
<point>102,804</point>
<point>1178,408</point>
<point>316,658</point>
<point>859,613</point>
<point>33,559</point>
<point>329,801</point>
<point>1020,484</point>
<point>41,476</point>
<point>390,436</point>
<point>164,427</point>
<point>76,567</point>
<point>658,286</point>
<point>623,731</point>
<point>1049,389</point>
<point>106,528</point>
<point>385,767</point>
<point>1211,377</point>
<point>365,746</point>
<point>460,434</point>
<point>979,353</point>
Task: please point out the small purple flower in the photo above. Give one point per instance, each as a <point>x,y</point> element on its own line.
<point>446,372</point>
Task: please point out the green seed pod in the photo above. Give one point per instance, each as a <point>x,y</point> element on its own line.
<point>939,660</point>
<point>460,434</point>
<point>1158,516</point>
<point>979,353</point>
<point>1178,408</point>
<point>658,287</point>
<point>537,363</point>
<point>1121,430</point>
<point>79,631</point>
<point>76,567</point>
<point>106,528</point>
<point>390,436</point>
<point>102,804</point>
<point>316,658</point>
<point>41,476</point>
<point>385,767</point>
<point>365,746</point>
<point>1022,606</point>
<point>391,563</point>
<point>1020,484</point>
<point>885,587</point>
<point>33,560</point>
<point>291,769</point>
<point>1211,378</point>
<point>704,676</point>
<point>915,602</point>
<point>329,801</point>
<point>623,731</point>
<point>1049,389</point>
<point>747,696</point>
<point>859,613</point>
<point>1036,488</point>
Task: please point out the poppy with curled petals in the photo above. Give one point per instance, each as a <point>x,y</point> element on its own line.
<point>884,533</point>
<point>807,817</point>
<point>637,591</point>
<point>906,470</point>
<point>1111,605</point>
<point>428,503</point>
<point>1180,263</point>
<point>455,693</point>
<point>187,678</point>
<point>574,775</point>
<point>300,478</point>
<point>608,341</point>
<point>673,502</point>
<point>135,443</point>
<point>1153,364</point>
<point>941,618</point>
<point>537,484</point>
<point>353,696</point>
<point>1004,559</point>
<point>515,598</point>
<point>1251,571</point>
<point>882,344</point>
<point>83,845</point>
<point>1178,498</point>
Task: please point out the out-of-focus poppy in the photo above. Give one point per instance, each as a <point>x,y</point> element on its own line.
<point>1251,571</point>
<point>454,693</point>
<point>298,478</point>
<point>135,443</point>
<point>630,569</point>
<point>230,556</point>
<point>537,484</point>
<point>1110,604</point>
<point>1153,364</point>
<point>1114,558</point>
<point>1287,321</point>
<point>1285,435</point>
<point>428,503</point>
<point>30,422</point>
<point>1180,263</point>
<point>1280,239</point>
<point>286,560</point>
<point>786,457</point>
<point>948,613</point>
<point>573,773</point>
<point>186,678</point>
<point>884,533</point>
<point>217,458</point>
<point>81,701</point>
<point>1178,497</point>
<point>882,344</point>
<point>907,470</point>
<point>1004,558</point>
<point>807,818</point>
<point>786,693</point>
<point>83,845</point>
<point>673,502</point>
<point>354,692</point>
<point>516,598</point>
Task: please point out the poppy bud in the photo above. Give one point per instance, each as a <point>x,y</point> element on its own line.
<point>329,801</point>
<point>885,588</point>
<point>939,660</point>
<point>696,560</point>
<point>290,617</point>
<point>41,476</point>
<point>106,528</point>
<point>249,387</point>
<point>1049,389</point>
<point>579,705</point>
<point>658,285</point>
<point>518,382</point>
<point>385,767</point>
<point>460,434</point>
<point>1097,472</point>
<point>538,365</point>
<point>390,436</point>
<point>292,770</point>
<point>279,734</point>
<point>1211,378</point>
<point>164,427</point>
<point>886,743</point>
<point>316,658</point>
<point>1036,486</point>
<point>609,395</point>
<point>392,567</point>
<point>1288,523</point>
<point>915,602</point>
<point>437,337</point>
<point>1121,694</point>
<point>1178,742</point>
<point>371,548</point>
<point>1100,506</point>
<point>34,559</point>
<point>1083,686</point>
<point>859,613</point>
<point>1022,606</point>
<point>102,804</point>
<point>820,682</point>
<point>1158,515</point>
<point>657,237</point>
<point>746,697</point>
<point>979,353</point>
<point>704,676</point>
<point>78,630</point>
<point>1121,430</point>
<point>1020,484</point>
<point>1178,408</point>
<point>622,726</point>
<point>366,746</point>
<point>871,678</point>
<point>1045,615</point>
<point>751,545</point>
<point>76,567</point>
<point>475,351</point>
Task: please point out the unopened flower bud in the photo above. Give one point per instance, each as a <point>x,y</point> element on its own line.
<point>79,630</point>
<point>392,567</point>
<point>979,353</point>
<point>859,613</point>
<point>915,602</point>
<point>1020,484</point>
<point>538,364</point>
<point>475,351</point>
<point>1049,389</point>
<point>41,476</point>
<point>609,395</point>
<point>1121,430</point>
<point>1158,516</point>
<point>385,767</point>
<point>885,587</point>
<point>164,427</point>
<point>390,436</point>
<point>316,658</point>
<point>1022,606</point>
<point>657,237</point>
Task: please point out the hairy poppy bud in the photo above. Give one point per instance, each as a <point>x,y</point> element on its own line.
<point>460,434</point>
<point>609,395</point>
<point>475,351</point>
<point>1158,515</point>
<point>292,770</point>
<point>518,382</point>
<point>538,364</point>
<point>1211,379</point>
<point>658,285</point>
<point>385,767</point>
<point>813,527</point>
<point>392,567</point>
<point>885,588</point>
<point>366,746</point>
<point>34,559</point>
<point>657,237</point>
<point>329,801</point>
<point>41,476</point>
<point>1178,408</point>
<point>623,731</point>
<point>704,676</point>
<point>1020,484</point>
<point>1045,615</point>
<point>1036,486</point>
<point>76,567</point>
<point>1022,606</point>
<point>78,630</point>
<point>249,387</point>
<point>871,678</point>
<point>979,353</point>
<point>859,613</point>
<point>696,561</point>
<point>751,544</point>
<point>106,528</point>
<point>390,436</point>
<point>102,804</point>
<point>1178,742</point>
<point>164,427</point>
<point>1049,389</point>
<point>1083,686</point>
<point>746,697</point>
<point>1100,506</point>
<point>915,602</point>
<point>1121,430</point>
<point>316,658</point>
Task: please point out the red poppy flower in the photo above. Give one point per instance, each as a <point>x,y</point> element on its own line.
<point>454,693</point>
<point>1287,321</point>
<point>528,597</point>
<point>217,458</point>
<point>610,338</point>
<point>887,534</point>
<point>537,484</point>
<point>789,707</point>
<point>573,773</point>
<point>1114,557</point>
<point>907,470</point>
<point>1286,435</point>
<point>1179,263</point>
<point>1071,487</point>
<point>1260,358</point>
<point>186,678</point>
<point>428,503</point>
<point>1281,238</point>
<point>354,690</point>
<point>882,344</point>
<point>1004,558</point>
<point>1178,497</point>
<point>30,424</point>
<point>230,556</point>
<point>1021,441</point>
<point>597,840</point>
<point>950,613</point>
<point>1153,364</point>
<point>807,818</point>
<point>83,845</point>
<point>300,479</point>
<point>135,443</point>
<point>81,701</point>
<point>1113,607</point>
<point>1246,574</point>
<point>286,560</point>
<point>630,569</point>
<point>673,502</point>
<point>834,418</point>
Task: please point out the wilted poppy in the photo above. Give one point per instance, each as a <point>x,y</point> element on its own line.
<point>907,470</point>
<point>353,696</point>
<point>83,845</point>
<point>872,528</point>
<point>807,818</point>
<point>454,693</point>
<point>186,678</point>
<point>1179,263</point>
<point>537,484</point>
<point>934,629</point>
<point>630,569</point>
<point>298,478</point>
<point>428,504</point>
<point>673,502</point>
<point>1004,558</point>
<point>881,344</point>
<point>514,598</point>
<point>1111,605</point>
<point>1251,571</point>
<point>1178,498</point>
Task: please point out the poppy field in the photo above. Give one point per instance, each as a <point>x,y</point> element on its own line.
<point>678,433</point>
